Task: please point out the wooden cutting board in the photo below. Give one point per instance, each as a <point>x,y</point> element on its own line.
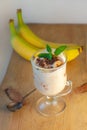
<point>19,76</point>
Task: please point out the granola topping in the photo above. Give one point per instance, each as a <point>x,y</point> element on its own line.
<point>46,63</point>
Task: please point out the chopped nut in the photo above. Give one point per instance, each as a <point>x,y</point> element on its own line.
<point>57,63</point>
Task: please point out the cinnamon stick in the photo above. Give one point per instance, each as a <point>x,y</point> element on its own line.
<point>81,89</point>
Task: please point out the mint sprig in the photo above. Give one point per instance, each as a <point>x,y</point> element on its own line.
<point>49,53</point>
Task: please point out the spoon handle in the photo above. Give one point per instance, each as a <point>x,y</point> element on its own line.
<point>29,93</point>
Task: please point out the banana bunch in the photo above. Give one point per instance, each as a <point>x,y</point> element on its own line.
<point>26,43</point>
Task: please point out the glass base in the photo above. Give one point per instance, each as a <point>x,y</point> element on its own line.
<point>50,106</point>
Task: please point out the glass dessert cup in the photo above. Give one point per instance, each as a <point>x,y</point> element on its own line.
<point>53,84</point>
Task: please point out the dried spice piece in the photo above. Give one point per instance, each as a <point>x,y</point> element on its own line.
<point>81,89</point>
<point>13,94</point>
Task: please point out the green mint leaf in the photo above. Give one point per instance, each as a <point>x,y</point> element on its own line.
<point>48,48</point>
<point>45,55</point>
<point>50,56</point>
<point>60,49</point>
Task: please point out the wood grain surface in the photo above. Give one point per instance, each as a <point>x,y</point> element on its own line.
<point>19,76</point>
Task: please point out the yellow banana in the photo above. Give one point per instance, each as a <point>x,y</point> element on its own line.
<point>19,44</point>
<point>72,50</point>
<point>33,39</point>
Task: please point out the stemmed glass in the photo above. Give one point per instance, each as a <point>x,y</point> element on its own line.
<point>53,84</point>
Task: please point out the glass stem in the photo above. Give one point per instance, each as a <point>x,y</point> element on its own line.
<point>50,99</point>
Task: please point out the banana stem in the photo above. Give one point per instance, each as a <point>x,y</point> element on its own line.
<point>19,16</point>
<point>12,27</point>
